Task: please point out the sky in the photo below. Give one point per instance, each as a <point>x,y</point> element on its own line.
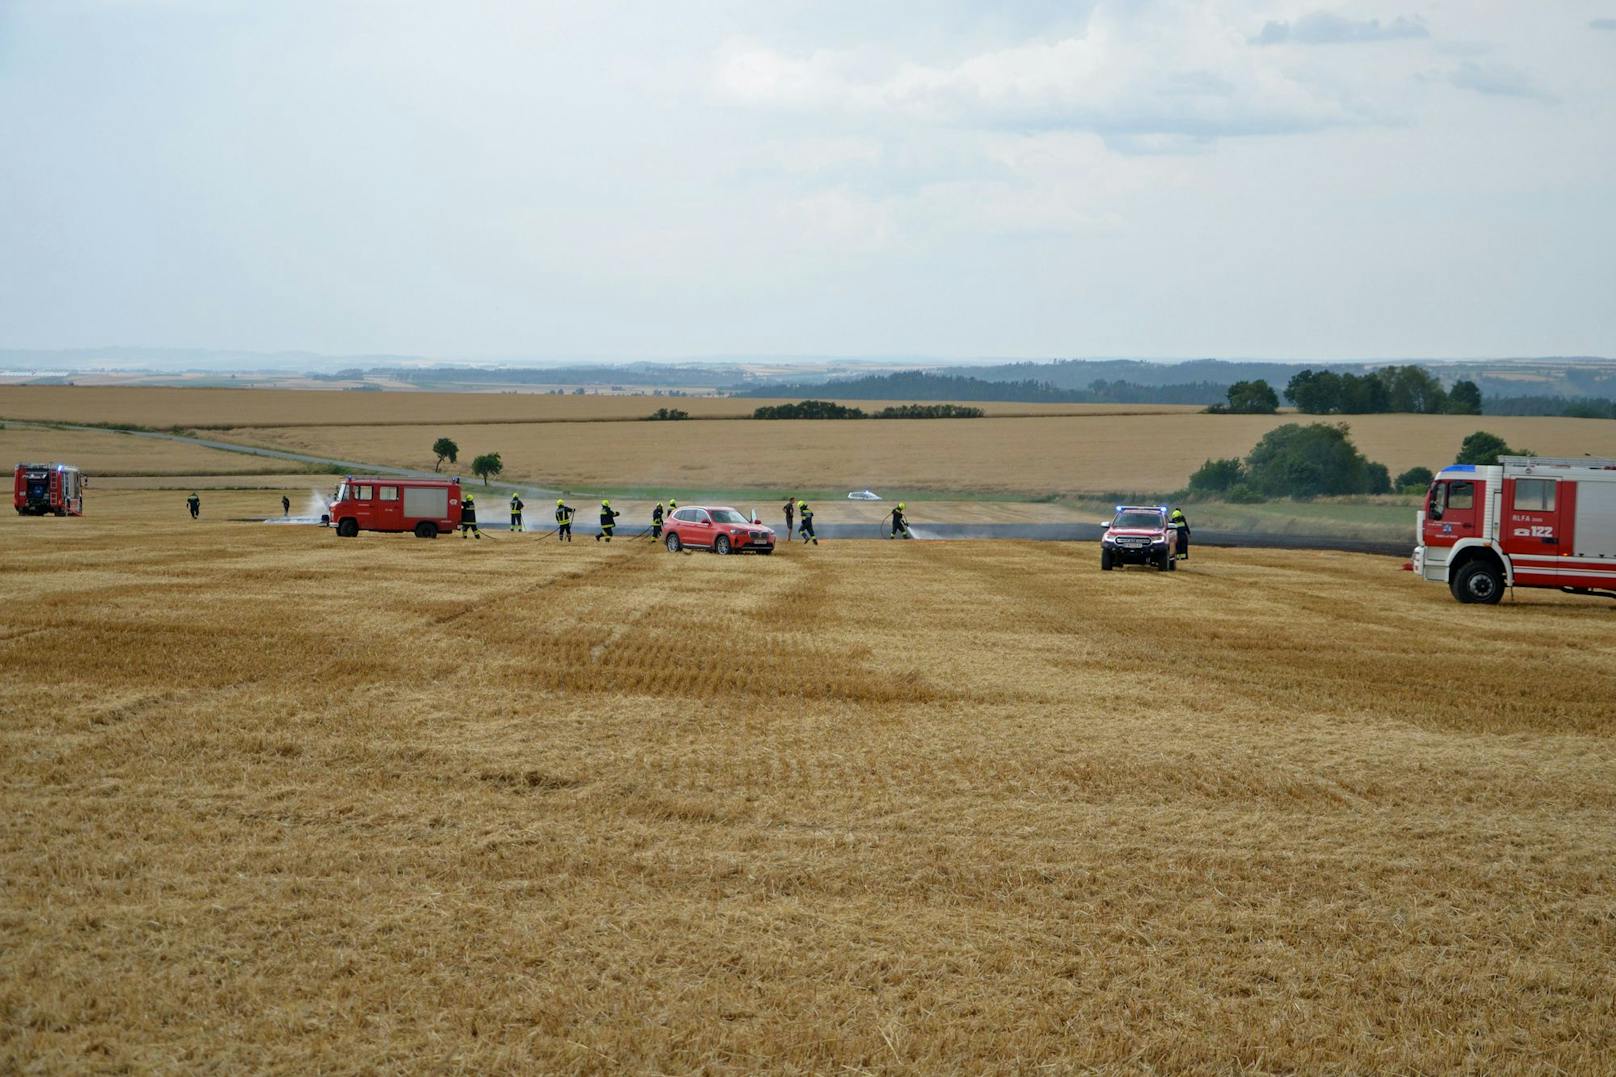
<point>554,181</point>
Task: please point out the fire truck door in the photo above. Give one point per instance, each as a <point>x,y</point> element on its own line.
<point>389,509</point>
<point>1455,508</point>
<point>1532,522</point>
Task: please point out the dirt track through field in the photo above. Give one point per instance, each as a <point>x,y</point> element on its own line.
<point>278,801</point>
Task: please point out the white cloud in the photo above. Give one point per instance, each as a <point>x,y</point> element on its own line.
<point>1186,71</point>
<point>1325,28</point>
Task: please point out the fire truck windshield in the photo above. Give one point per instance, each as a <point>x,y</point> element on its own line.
<point>341,494</point>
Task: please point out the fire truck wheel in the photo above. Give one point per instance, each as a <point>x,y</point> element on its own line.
<point>672,542</point>
<point>347,528</point>
<point>1105,560</point>
<point>426,529</point>
<point>721,544</point>
<point>1479,582</point>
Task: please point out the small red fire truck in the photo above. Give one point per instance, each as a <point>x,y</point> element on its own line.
<point>47,490</point>
<point>1530,521</point>
<point>424,506</point>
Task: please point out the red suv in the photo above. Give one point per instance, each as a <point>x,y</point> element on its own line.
<point>1139,535</point>
<point>715,528</point>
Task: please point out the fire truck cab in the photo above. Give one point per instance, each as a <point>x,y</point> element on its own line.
<point>1529,521</point>
<point>370,503</point>
<point>47,490</point>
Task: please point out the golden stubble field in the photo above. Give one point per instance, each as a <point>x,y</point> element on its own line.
<point>277,801</point>
<point>161,407</point>
<point>997,455</point>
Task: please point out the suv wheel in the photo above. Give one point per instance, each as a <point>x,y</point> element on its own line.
<point>1105,559</point>
<point>721,544</point>
<point>672,542</point>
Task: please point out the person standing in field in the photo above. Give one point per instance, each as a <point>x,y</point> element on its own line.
<point>286,505</point>
<point>1180,523</point>
<point>516,511</point>
<point>900,526</point>
<point>806,527</point>
<point>608,520</point>
<point>791,508</point>
<point>194,503</point>
<point>468,517</point>
<point>564,513</point>
<point>656,521</point>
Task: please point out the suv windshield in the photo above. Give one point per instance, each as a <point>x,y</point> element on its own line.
<point>1143,521</point>
<point>728,516</point>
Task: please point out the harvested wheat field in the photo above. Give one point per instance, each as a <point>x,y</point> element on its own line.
<point>213,408</point>
<point>278,801</point>
<point>1033,455</point>
<point>109,453</point>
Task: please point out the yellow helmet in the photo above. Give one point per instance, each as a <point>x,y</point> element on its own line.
<point>606,503</point>
<point>560,502</point>
<point>900,504</point>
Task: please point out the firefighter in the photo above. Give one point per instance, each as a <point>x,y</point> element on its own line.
<point>286,505</point>
<point>194,503</point>
<point>564,513</point>
<point>806,527</point>
<point>468,517</point>
<point>791,508</point>
<point>1180,523</point>
<point>608,520</point>
<point>900,526</point>
<point>656,521</point>
<point>516,511</point>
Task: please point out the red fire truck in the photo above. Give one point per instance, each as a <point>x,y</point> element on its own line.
<point>1530,521</point>
<point>48,490</point>
<point>424,506</point>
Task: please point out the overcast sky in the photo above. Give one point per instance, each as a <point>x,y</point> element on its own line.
<point>930,177</point>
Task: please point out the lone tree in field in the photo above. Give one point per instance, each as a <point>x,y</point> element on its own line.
<point>1484,449</point>
<point>1249,398</point>
<point>487,464</point>
<point>445,449</point>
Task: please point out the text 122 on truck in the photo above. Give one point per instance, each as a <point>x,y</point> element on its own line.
<point>1529,521</point>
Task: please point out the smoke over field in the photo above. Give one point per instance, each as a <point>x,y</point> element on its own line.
<point>276,800</point>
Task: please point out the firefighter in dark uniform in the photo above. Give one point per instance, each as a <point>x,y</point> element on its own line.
<point>608,520</point>
<point>806,527</point>
<point>194,503</point>
<point>564,513</point>
<point>286,505</point>
<point>1180,523</point>
<point>468,517</point>
<point>656,521</point>
<point>900,526</point>
<point>516,511</point>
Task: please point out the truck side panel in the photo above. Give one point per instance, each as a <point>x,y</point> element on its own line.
<point>1596,519</point>
<point>429,502</point>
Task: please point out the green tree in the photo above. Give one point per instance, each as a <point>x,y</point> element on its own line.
<point>1411,389</point>
<point>1484,449</point>
<point>1252,398</point>
<point>1315,393</point>
<point>486,465</point>
<point>1415,478</point>
<point>1217,476</point>
<point>445,449</point>
<point>1310,461</point>
<point>1464,398</point>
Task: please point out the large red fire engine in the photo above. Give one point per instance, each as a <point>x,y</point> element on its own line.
<point>47,490</point>
<point>1530,521</point>
<point>424,506</point>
